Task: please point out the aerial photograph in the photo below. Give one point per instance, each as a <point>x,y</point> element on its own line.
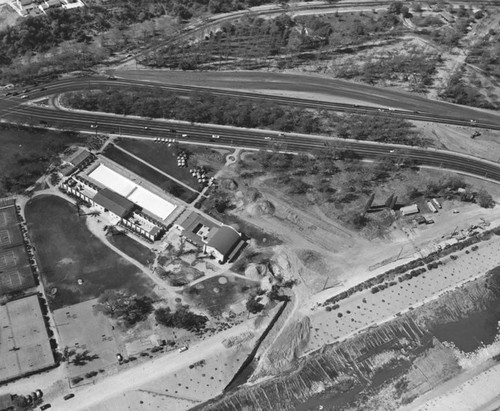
<point>249,205</point>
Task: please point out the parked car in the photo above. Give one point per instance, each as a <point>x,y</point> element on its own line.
<point>119,357</point>
<point>68,396</point>
<point>45,406</point>
<point>182,349</point>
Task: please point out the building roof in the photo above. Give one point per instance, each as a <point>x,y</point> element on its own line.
<point>113,202</point>
<point>79,157</point>
<point>411,209</point>
<point>224,240</point>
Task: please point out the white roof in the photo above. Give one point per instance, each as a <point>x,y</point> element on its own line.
<point>132,191</point>
<point>113,180</point>
<point>151,202</point>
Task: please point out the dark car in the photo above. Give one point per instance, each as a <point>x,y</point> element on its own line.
<point>68,396</point>
<point>43,89</point>
<point>45,407</point>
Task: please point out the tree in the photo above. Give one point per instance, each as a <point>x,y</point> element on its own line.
<point>181,318</point>
<point>253,305</point>
<point>122,306</point>
<point>484,199</point>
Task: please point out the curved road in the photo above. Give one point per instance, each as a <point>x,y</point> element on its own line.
<point>14,109</point>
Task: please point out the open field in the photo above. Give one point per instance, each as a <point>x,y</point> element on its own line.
<point>67,251</point>
<point>26,154</point>
<point>217,294</point>
<point>82,329</point>
<point>24,342</point>
<point>162,157</point>
<point>132,248</point>
<point>149,174</point>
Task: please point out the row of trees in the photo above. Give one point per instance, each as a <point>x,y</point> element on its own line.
<point>201,108</point>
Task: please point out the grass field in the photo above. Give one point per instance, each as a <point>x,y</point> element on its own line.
<point>216,294</point>
<point>162,157</point>
<point>150,174</point>
<point>132,248</point>
<point>25,155</point>
<point>67,251</point>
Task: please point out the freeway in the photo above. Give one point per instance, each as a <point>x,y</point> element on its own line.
<point>14,109</point>
<point>410,106</point>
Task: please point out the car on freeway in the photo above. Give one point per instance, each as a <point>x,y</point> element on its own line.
<point>146,128</point>
<point>43,122</point>
<point>215,136</point>
<point>392,151</point>
<point>68,396</point>
<point>94,126</point>
<point>381,110</point>
<point>43,89</point>
<point>24,96</point>
<point>45,406</point>
<point>26,90</point>
<point>15,93</point>
<point>267,138</point>
<point>184,135</point>
<point>182,349</point>
<point>173,130</point>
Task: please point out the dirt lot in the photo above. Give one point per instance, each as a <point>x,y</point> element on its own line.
<point>81,329</point>
<point>217,294</point>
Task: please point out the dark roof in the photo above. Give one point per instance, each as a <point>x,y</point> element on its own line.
<point>224,240</point>
<point>113,202</point>
<point>79,157</point>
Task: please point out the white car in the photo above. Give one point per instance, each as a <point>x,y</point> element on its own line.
<point>182,349</point>
<point>215,136</point>
<point>455,211</point>
<point>391,151</point>
<point>267,138</point>
<point>24,96</point>
<point>184,135</point>
<point>94,126</point>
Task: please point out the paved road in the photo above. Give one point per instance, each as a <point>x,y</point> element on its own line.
<point>15,109</point>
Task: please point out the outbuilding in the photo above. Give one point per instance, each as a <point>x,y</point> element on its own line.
<point>225,244</point>
<point>409,210</point>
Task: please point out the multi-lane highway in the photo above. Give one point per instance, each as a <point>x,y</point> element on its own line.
<point>16,109</point>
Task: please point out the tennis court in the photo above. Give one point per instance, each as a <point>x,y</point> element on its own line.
<point>24,342</point>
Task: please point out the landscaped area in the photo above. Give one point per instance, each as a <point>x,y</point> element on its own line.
<point>162,157</point>
<point>66,252</point>
<point>217,294</point>
<point>150,174</point>
<point>132,248</point>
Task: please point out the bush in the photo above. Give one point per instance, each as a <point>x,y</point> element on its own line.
<point>181,318</point>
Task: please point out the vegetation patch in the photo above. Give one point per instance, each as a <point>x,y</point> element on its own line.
<point>132,248</point>
<point>164,158</point>
<point>197,107</point>
<point>26,155</point>
<point>126,308</point>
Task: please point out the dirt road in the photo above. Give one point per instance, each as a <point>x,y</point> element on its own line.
<point>88,398</point>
